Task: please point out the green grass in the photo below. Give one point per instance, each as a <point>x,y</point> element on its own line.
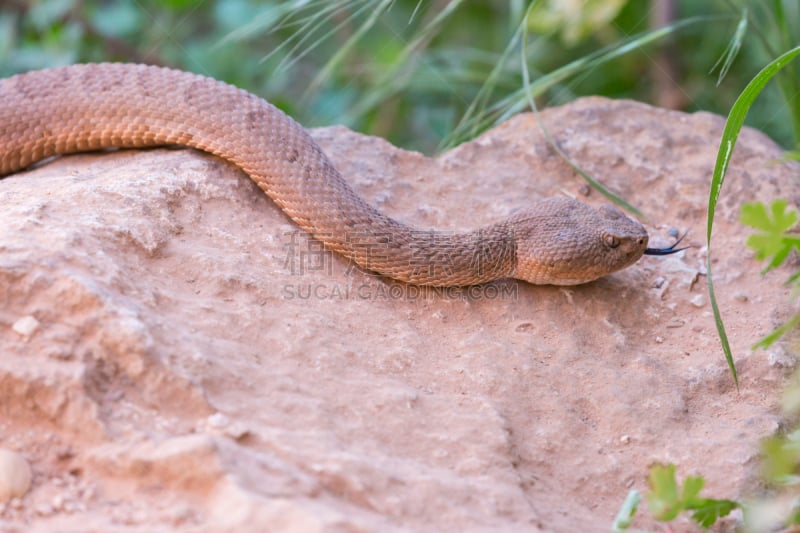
<point>730,134</point>
<point>425,75</point>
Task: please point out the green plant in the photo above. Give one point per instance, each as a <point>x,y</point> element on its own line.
<point>730,134</point>
<point>667,500</point>
<point>773,242</point>
<point>421,74</point>
<point>778,507</point>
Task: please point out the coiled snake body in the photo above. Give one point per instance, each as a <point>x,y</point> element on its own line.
<point>89,107</point>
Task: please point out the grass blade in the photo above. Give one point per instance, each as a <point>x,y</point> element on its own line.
<point>730,134</point>
<point>732,50</point>
<point>526,80</point>
<point>395,78</point>
<point>514,103</point>
<point>338,57</point>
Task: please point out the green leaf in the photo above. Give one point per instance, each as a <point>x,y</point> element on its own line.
<point>756,216</point>
<point>692,486</point>
<point>772,241</point>
<point>663,498</point>
<point>779,332</point>
<point>781,457</point>
<point>709,511</point>
<point>45,14</point>
<point>794,517</point>
<point>666,504</point>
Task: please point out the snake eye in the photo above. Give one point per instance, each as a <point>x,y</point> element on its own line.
<point>612,241</point>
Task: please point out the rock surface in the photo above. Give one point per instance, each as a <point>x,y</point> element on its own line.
<point>175,356</point>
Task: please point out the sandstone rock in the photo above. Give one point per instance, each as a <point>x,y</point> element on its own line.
<point>171,296</point>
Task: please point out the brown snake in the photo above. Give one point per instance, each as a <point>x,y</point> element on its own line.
<point>90,107</point>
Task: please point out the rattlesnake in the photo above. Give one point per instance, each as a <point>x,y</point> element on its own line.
<point>88,107</point>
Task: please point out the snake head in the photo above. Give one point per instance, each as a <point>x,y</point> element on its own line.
<point>560,241</point>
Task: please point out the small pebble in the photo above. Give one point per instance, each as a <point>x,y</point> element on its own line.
<point>698,300</point>
<point>44,509</point>
<point>88,493</point>
<point>58,502</point>
<point>625,439</point>
<point>26,326</point>
<point>15,476</point>
<point>218,420</point>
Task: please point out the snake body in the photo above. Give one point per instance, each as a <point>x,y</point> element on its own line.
<point>95,106</point>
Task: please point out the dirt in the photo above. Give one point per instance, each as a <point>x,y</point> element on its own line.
<point>177,356</point>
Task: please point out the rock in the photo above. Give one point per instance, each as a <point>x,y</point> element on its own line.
<point>194,344</point>
<point>25,326</point>
<point>15,475</point>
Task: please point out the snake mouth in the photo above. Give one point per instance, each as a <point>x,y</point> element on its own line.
<point>669,250</point>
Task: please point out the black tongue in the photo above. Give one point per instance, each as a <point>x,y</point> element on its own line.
<point>669,250</point>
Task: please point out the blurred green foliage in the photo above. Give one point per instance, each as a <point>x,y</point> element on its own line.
<point>667,499</point>
<point>408,70</point>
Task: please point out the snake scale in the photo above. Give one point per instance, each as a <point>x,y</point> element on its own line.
<point>87,107</point>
